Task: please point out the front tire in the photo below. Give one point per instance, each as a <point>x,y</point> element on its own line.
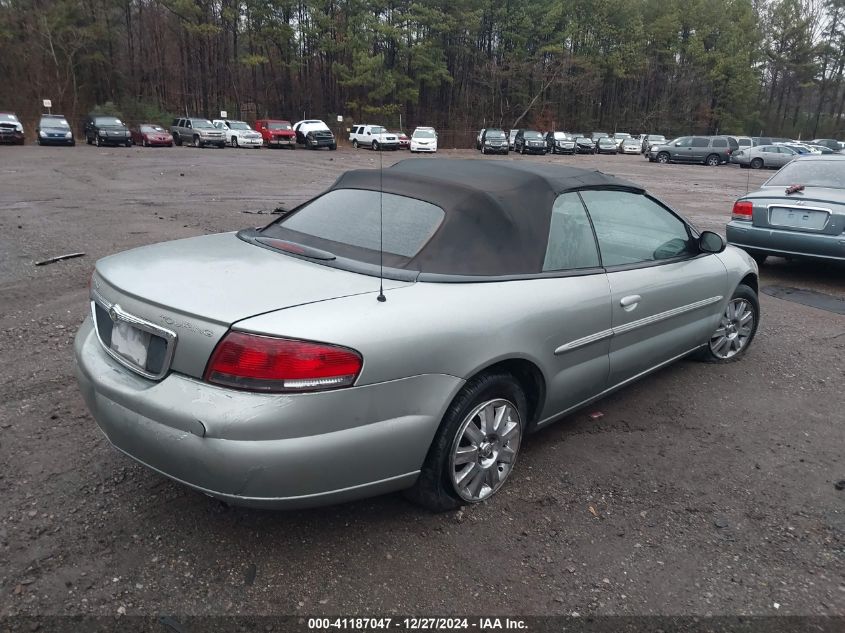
<point>375,146</point>
<point>235,141</point>
<point>355,143</point>
<point>736,329</point>
<point>476,446</point>
<point>663,158</point>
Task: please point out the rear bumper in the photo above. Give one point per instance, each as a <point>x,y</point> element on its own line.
<point>266,450</point>
<point>767,241</point>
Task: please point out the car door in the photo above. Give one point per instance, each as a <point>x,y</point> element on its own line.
<point>681,149</point>
<point>665,295</point>
<point>785,154</point>
<point>576,331</point>
<point>699,148</point>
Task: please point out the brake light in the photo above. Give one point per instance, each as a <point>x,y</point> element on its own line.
<point>742,210</point>
<point>264,363</point>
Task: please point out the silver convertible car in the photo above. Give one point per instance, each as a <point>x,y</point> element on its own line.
<point>404,330</point>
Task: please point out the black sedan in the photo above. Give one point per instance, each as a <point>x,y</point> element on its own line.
<point>606,145</point>
<point>584,145</point>
<point>53,129</point>
<point>106,130</point>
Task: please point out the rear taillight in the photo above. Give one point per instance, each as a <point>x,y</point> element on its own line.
<point>269,364</point>
<point>742,210</point>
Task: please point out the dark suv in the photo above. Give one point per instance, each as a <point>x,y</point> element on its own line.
<point>493,141</point>
<point>706,150</point>
<point>106,130</point>
<point>529,142</point>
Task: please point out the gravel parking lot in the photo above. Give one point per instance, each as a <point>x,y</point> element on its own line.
<point>702,489</point>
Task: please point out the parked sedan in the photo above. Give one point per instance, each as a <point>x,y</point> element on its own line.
<point>350,379</point>
<point>151,135</point>
<point>630,146</point>
<point>606,145</point>
<point>651,139</point>
<point>404,140</point>
<point>106,130</point>
<point>53,129</point>
<point>798,212</point>
<point>584,145</point>
<point>775,156</point>
<point>11,129</point>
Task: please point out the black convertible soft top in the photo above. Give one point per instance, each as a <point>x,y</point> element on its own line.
<point>497,213</point>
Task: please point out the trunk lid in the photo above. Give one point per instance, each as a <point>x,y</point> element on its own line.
<point>197,288</point>
<point>815,210</point>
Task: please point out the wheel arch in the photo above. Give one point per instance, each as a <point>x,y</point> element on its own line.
<point>752,281</point>
<point>529,376</point>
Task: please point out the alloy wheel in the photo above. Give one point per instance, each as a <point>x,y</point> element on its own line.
<point>735,329</point>
<point>485,449</point>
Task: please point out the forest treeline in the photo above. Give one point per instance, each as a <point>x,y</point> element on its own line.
<point>668,66</point>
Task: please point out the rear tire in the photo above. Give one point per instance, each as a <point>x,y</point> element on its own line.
<point>757,163</point>
<point>712,160</point>
<point>488,452</point>
<point>737,327</point>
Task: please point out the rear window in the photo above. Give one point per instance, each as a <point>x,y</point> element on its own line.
<point>811,173</point>
<point>351,217</point>
<point>720,142</point>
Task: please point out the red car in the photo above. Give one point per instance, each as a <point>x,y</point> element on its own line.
<point>151,135</point>
<point>276,133</point>
<point>404,141</point>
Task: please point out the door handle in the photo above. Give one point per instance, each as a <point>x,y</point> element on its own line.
<point>630,302</point>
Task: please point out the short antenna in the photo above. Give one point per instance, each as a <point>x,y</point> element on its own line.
<point>381,296</point>
<point>747,181</point>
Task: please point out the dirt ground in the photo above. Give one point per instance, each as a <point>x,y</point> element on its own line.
<point>702,490</point>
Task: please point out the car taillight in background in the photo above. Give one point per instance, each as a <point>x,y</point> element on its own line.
<point>278,365</point>
<point>742,210</point>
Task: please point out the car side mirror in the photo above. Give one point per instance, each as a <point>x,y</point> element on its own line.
<point>710,242</point>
